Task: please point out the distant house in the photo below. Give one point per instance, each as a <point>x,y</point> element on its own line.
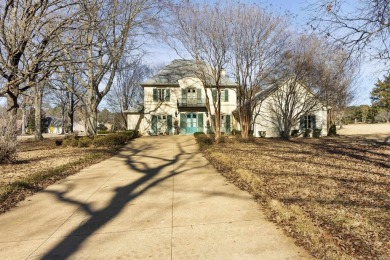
<point>54,125</point>
<point>292,100</point>
<point>175,102</point>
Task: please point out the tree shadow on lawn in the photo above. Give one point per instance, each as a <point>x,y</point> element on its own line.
<point>350,184</point>
<point>364,176</point>
<point>359,148</point>
<point>333,165</point>
<point>353,147</point>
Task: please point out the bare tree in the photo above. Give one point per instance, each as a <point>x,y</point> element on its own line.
<point>291,95</point>
<point>38,90</point>
<point>27,31</point>
<point>106,31</point>
<point>335,81</point>
<point>259,38</point>
<point>64,99</point>
<point>363,27</point>
<point>64,87</point>
<point>127,92</point>
<point>286,106</point>
<point>204,32</point>
<point>330,72</point>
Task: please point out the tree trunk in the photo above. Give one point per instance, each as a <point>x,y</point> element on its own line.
<point>218,116</point>
<point>244,130</point>
<point>91,123</point>
<point>71,111</point>
<point>286,130</point>
<point>245,120</point>
<point>63,119</point>
<point>38,113</point>
<point>329,119</point>
<point>23,132</point>
<point>12,110</point>
<point>217,126</point>
<point>123,116</point>
<point>245,127</point>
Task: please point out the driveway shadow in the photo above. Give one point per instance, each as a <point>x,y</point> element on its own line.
<point>122,197</point>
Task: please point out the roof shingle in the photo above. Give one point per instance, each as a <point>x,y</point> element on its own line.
<point>179,69</point>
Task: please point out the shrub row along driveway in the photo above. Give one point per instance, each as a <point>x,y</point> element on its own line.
<point>158,198</point>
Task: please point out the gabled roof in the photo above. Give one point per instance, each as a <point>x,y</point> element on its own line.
<point>179,69</point>
<point>55,122</point>
<point>263,94</point>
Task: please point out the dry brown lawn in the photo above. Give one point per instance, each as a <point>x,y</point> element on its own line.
<point>331,194</point>
<point>39,164</point>
<point>33,157</point>
<point>369,130</point>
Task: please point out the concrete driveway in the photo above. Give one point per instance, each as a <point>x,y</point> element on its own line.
<point>159,199</point>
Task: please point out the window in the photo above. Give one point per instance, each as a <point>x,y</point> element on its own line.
<point>191,91</point>
<point>308,122</point>
<point>225,123</point>
<point>224,95</point>
<point>191,96</point>
<point>161,94</point>
<point>161,124</point>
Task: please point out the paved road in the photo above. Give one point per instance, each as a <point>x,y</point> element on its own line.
<point>159,199</point>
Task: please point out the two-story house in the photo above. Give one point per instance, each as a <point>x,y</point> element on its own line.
<point>175,102</point>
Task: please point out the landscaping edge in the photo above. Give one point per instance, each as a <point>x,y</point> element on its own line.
<point>291,218</point>
<point>18,190</point>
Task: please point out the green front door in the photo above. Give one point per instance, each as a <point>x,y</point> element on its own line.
<point>192,123</point>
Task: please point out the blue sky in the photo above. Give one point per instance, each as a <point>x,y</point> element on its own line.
<point>300,17</point>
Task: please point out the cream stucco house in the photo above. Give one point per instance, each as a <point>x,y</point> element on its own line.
<point>175,102</point>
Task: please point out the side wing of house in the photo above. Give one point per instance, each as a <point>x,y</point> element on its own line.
<point>297,104</point>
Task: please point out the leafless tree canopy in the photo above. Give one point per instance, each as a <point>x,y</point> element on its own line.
<point>258,40</point>
<point>63,86</point>
<point>127,92</point>
<point>287,105</point>
<point>204,31</point>
<point>319,67</point>
<point>107,30</point>
<point>28,30</point>
<point>362,27</point>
